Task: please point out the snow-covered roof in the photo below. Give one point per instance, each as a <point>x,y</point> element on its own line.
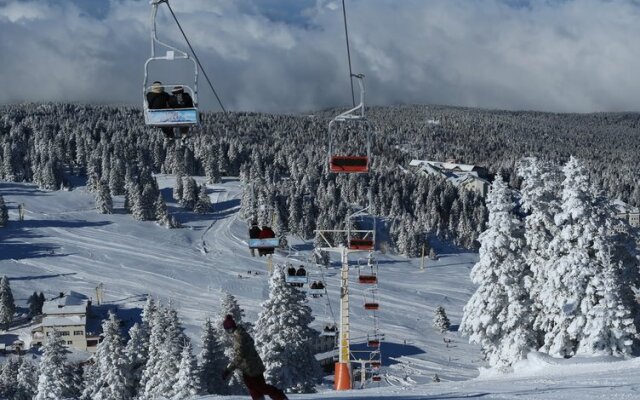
<point>623,207</point>
<point>72,320</point>
<point>443,165</point>
<point>71,303</point>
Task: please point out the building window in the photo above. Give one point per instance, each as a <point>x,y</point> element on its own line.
<point>92,343</point>
<point>78,333</point>
<point>64,333</point>
<point>69,342</point>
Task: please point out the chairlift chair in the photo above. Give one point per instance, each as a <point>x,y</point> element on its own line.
<point>361,240</point>
<point>367,274</point>
<point>329,332</point>
<point>373,342</point>
<point>371,302</point>
<point>353,164</point>
<point>169,117</point>
<point>361,244</point>
<point>315,291</point>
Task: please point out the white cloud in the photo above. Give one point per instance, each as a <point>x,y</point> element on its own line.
<point>578,55</point>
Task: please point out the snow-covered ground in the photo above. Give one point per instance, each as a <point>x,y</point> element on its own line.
<point>64,244</point>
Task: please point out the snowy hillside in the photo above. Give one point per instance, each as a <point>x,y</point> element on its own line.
<point>63,244</point>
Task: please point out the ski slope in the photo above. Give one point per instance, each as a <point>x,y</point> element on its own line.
<point>64,244</point>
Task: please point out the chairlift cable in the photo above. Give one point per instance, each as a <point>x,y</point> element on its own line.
<point>195,56</point>
<point>346,34</point>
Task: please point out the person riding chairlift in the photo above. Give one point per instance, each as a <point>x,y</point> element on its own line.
<point>266,233</point>
<point>301,272</point>
<point>180,99</point>
<point>158,99</point>
<point>254,233</point>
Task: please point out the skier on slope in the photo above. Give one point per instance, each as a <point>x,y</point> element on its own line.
<point>247,360</point>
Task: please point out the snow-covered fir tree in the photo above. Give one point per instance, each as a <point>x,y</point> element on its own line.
<point>284,339</point>
<point>55,376</point>
<point>117,177</point>
<point>4,213</point>
<point>212,361</point>
<point>104,201</point>
<point>440,320</point>
<point>162,214</point>
<point>539,199</point>
<point>7,304</point>
<point>149,380</point>
<point>498,315</point>
<point>26,380</point>
<point>575,286</point>
<point>165,347</point>
<point>178,188</point>
<point>111,370</point>
<point>135,358</point>
<point>203,205</point>
<point>609,328</point>
<point>188,382</point>
<point>9,378</point>
<point>137,348</point>
<point>189,193</point>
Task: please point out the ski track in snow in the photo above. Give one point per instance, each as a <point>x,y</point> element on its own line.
<point>65,245</point>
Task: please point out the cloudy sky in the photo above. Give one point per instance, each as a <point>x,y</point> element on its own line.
<point>290,56</point>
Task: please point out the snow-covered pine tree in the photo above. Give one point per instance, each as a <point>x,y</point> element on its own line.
<point>32,301</point>
<point>7,304</point>
<point>178,188</point>
<point>281,229</point>
<point>539,199</point>
<point>104,201</point>
<point>135,358</point>
<point>54,380</point>
<point>203,205</point>
<point>498,314</point>
<point>284,339</point>
<point>211,166</point>
<point>4,213</point>
<point>440,320</point>
<point>148,199</point>
<point>190,193</point>
<point>111,379</point>
<point>137,206</point>
<point>8,378</point>
<point>163,376</point>
<point>26,381</point>
<point>137,349</point>
<point>116,178</point>
<point>212,361</point>
<point>576,268</point>
<point>149,379</point>
<point>609,327</point>
<point>187,380</point>
<point>162,214</point>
